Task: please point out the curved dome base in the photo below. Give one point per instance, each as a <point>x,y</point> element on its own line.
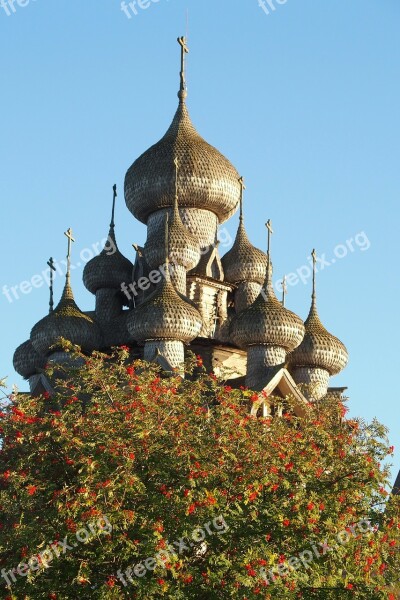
<point>259,360</point>
<point>315,380</point>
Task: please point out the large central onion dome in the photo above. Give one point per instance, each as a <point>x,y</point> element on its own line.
<point>266,322</point>
<point>66,321</point>
<point>207,180</point>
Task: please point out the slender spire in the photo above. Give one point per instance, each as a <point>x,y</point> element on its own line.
<point>166,243</point>
<point>112,224</point>
<point>50,263</point>
<point>176,198</point>
<point>314,293</point>
<point>184,50</point>
<point>68,234</point>
<point>242,188</point>
<point>284,291</point>
<point>268,225</point>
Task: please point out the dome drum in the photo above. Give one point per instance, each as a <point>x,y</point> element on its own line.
<point>172,351</point>
<point>316,381</point>
<point>260,359</point>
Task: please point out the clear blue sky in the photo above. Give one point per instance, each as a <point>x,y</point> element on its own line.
<point>305,103</point>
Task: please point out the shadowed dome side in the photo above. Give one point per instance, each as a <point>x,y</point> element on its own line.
<point>26,360</point>
<point>66,321</point>
<point>319,348</point>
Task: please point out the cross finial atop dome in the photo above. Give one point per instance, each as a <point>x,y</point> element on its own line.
<point>242,188</point>
<point>184,50</point>
<point>68,234</point>
<point>50,263</point>
<point>268,225</point>
<point>284,291</point>
<point>314,294</point>
<point>112,224</point>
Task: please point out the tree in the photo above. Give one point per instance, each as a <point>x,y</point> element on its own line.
<point>166,488</point>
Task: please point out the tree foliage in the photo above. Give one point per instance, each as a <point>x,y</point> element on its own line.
<point>150,464</point>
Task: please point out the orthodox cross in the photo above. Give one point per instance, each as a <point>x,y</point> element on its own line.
<point>68,233</point>
<point>314,257</point>
<point>284,290</point>
<point>112,224</point>
<point>242,188</point>
<point>50,263</point>
<point>268,225</point>
<point>184,50</point>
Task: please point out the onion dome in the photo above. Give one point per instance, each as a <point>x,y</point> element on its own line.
<point>66,321</point>
<point>165,314</point>
<point>27,361</point>
<point>110,268</point>
<point>266,322</point>
<point>207,180</point>
<point>319,348</point>
<point>183,247</point>
<point>244,262</point>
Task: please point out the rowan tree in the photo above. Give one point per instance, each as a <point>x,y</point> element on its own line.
<point>183,494</point>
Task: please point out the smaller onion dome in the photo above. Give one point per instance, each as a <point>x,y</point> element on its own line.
<point>266,322</point>
<point>27,361</point>
<point>165,314</point>
<point>110,268</point>
<point>244,262</point>
<point>66,321</point>
<point>319,348</point>
<point>184,249</point>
